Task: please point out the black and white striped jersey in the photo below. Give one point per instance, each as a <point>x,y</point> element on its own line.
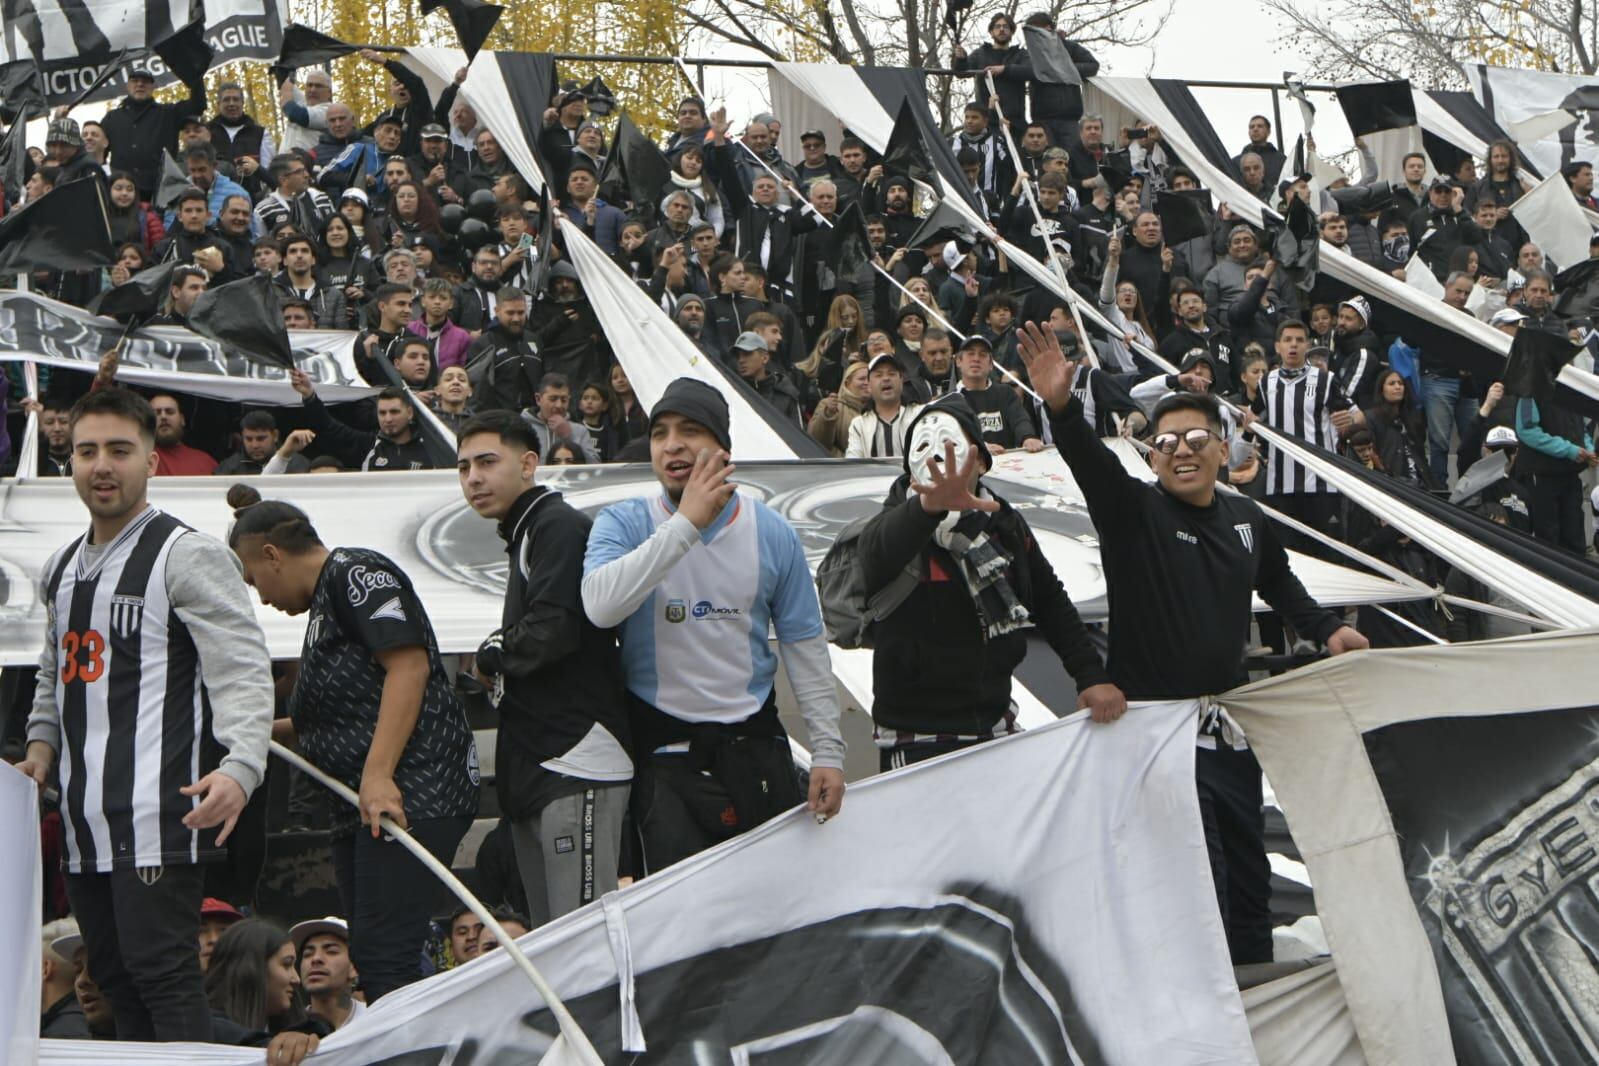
<point>135,715</point>
<point>1300,403</point>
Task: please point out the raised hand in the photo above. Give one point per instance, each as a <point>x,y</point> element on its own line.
<point>950,488</point>
<point>708,488</point>
<point>1048,369</point>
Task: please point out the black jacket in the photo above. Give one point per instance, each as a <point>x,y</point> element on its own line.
<point>1179,577</point>
<point>571,346</point>
<point>934,670</point>
<point>138,132</point>
<point>64,1020</point>
<point>1356,362</point>
<point>504,370</point>
<point>1011,83</point>
<point>472,309</point>
<point>1052,101</point>
<point>561,675</point>
<point>1004,420</point>
<point>414,115</point>
<point>363,450</point>
<point>777,390</point>
<point>246,143</point>
<point>327,303</point>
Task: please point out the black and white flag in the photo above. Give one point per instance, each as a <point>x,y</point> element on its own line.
<point>72,41</point>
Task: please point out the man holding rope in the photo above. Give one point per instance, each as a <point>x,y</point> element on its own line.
<point>1181,562</point>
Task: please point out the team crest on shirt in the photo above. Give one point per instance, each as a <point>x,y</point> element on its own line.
<point>676,610</point>
<point>392,610</point>
<point>126,614</point>
<point>1246,533</point>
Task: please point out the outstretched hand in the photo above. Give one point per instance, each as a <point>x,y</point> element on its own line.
<point>1048,369</point>
<point>951,488</point>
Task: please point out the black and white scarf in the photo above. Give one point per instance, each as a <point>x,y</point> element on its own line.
<point>983,563</point>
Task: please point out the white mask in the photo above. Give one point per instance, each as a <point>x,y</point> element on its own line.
<point>927,443</point>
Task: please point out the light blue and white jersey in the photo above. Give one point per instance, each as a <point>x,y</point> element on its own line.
<point>697,648</point>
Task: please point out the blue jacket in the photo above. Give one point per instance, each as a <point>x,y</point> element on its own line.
<point>221,188</point>
<point>608,222</point>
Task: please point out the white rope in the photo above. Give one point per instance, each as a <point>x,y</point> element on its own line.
<point>576,1040</point>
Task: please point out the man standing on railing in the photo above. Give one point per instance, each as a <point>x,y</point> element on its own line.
<point>1181,564</point>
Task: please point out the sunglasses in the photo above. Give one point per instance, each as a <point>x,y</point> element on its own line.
<point>1196,439</point>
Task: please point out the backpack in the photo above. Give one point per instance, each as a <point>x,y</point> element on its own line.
<point>847,612</point>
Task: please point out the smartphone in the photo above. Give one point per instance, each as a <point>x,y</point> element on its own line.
<point>526,242</point>
<point>1137,134</point>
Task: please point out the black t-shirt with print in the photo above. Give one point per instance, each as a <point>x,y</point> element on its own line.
<point>364,604</point>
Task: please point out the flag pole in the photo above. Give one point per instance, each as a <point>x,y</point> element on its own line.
<point>892,280</point>
<point>576,1040</point>
<point>1038,214</point>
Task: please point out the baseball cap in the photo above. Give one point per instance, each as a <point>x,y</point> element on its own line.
<point>435,132</point>
<point>1501,437</point>
<point>879,359</point>
<point>818,134</point>
<point>211,907</point>
<point>977,340</point>
<point>1506,316</point>
<point>140,72</point>
<point>331,925</point>
<point>352,193</point>
<point>751,342</point>
<point>571,95</point>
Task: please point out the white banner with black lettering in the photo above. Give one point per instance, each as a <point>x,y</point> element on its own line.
<point>1044,899</point>
<point>38,329</point>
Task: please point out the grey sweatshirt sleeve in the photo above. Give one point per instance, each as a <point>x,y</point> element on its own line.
<point>44,721</point>
<point>207,590</point>
<point>810,673</point>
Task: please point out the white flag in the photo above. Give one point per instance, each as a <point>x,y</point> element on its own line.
<point>1554,220</point>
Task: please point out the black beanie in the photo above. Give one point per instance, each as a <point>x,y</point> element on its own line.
<point>699,402</point>
<point>953,404</point>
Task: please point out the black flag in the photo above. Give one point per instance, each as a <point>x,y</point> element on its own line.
<point>638,166</point>
<point>1375,106</point>
<point>473,21</point>
<point>140,296</point>
<point>1182,217</point>
<point>953,10</point>
<point>1052,63</point>
<point>21,89</point>
<point>943,223</point>
<point>1535,358</point>
<point>306,47</point>
<point>245,314</point>
<point>542,263</point>
<point>906,153</point>
<point>848,249</point>
<point>602,101</point>
<point>67,229</point>
<point>173,181</point>
<point>187,53</point>
<point>14,158</point>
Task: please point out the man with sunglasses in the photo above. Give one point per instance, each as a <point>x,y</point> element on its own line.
<point>1181,561</point>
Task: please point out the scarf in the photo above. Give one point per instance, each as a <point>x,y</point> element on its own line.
<point>983,563</point>
<point>1396,249</point>
<point>692,184</point>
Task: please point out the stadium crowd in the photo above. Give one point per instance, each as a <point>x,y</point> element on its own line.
<point>412,228</point>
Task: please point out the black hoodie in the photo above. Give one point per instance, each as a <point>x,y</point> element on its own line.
<point>934,670</point>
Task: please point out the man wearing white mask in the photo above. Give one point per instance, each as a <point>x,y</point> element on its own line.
<point>971,582</point>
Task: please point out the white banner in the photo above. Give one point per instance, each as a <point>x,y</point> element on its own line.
<point>1514,97</point>
<point>1555,222</point>
<point>1044,899</point>
<point>418,519</point>
<point>21,900</point>
<point>38,329</point>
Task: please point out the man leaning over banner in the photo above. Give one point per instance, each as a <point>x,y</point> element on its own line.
<point>1181,561</point>
<point>694,579</point>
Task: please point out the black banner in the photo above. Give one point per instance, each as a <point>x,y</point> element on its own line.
<point>1498,822</point>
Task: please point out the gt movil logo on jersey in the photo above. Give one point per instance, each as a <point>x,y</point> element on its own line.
<point>676,610</point>
<point>706,611</point>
